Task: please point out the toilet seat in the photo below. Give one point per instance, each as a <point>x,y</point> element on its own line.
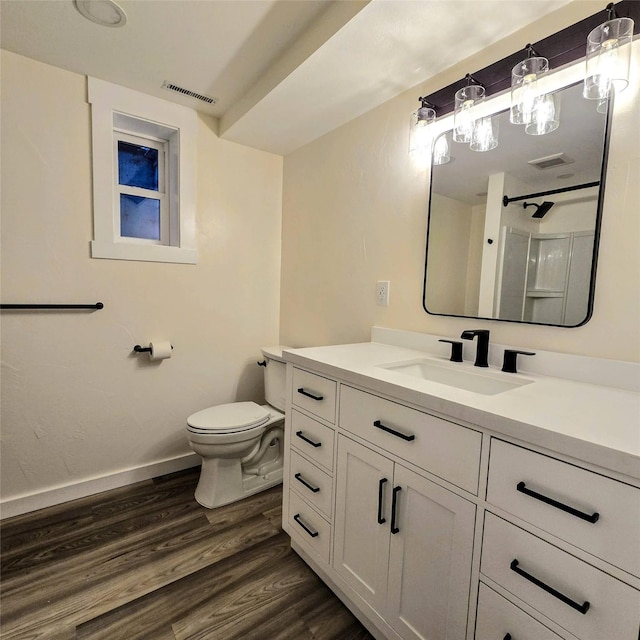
<point>235,417</point>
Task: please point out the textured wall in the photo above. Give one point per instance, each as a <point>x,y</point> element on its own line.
<point>354,212</point>
<point>76,404</point>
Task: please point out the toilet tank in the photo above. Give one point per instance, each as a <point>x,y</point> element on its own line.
<point>274,376</point>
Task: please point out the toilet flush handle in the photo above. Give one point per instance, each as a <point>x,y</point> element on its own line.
<point>262,364</point>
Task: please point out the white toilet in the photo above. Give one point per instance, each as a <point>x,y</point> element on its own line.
<point>241,443</point>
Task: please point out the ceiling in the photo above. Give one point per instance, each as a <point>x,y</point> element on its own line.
<point>284,72</point>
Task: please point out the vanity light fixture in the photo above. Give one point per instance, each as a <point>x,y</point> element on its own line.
<point>464,115</point>
<point>524,86</point>
<point>420,131</point>
<point>539,112</point>
<point>608,56</point>
<point>441,150</point>
<point>485,134</point>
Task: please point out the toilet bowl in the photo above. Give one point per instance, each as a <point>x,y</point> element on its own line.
<point>241,443</point>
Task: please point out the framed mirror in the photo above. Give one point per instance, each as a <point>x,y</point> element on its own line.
<point>513,232</point>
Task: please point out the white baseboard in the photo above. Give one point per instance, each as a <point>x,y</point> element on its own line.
<point>33,502</point>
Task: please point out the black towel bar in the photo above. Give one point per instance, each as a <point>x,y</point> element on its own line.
<point>97,305</point>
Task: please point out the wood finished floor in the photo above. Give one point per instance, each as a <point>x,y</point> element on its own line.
<point>146,562</point>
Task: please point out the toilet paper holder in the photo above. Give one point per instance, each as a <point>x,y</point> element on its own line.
<point>139,349</point>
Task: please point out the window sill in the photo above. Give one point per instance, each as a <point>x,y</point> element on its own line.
<point>144,253</point>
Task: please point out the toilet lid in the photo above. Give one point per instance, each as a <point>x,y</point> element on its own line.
<point>227,418</point>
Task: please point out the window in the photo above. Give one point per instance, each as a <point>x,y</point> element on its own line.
<point>140,188</point>
<point>143,174</point>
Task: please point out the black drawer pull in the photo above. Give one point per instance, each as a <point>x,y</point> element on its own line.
<point>299,478</point>
<point>310,395</point>
<point>378,425</point>
<point>394,510</point>
<point>311,442</point>
<point>582,608</point>
<point>381,519</point>
<point>311,532</point>
<point>592,518</point>
<point>507,637</point>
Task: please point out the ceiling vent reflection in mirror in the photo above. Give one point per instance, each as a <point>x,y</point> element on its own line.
<point>548,162</point>
<point>187,92</point>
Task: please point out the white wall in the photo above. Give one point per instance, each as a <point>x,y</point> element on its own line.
<point>76,404</point>
<point>452,228</point>
<point>354,211</point>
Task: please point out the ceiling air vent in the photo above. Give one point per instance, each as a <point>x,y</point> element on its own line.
<point>548,162</point>
<point>187,92</point>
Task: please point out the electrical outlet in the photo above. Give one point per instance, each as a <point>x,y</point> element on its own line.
<point>382,293</point>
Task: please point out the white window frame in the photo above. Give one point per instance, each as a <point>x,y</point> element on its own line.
<point>116,113</point>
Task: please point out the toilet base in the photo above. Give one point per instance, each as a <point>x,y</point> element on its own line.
<point>223,481</point>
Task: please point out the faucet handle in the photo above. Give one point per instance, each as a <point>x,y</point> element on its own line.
<point>456,350</point>
<point>510,359</point>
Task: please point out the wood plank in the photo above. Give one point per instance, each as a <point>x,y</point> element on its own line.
<point>91,590</point>
<point>236,612</point>
<point>140,619</point>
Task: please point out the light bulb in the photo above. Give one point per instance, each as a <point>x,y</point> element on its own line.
<point>545,116</point>
<point>485,134</point>
<point>466,99</point>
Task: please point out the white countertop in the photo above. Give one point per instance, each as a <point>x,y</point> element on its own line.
<point>591,423</point>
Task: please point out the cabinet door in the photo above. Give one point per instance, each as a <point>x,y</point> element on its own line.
<point>361,542</point>
<point>430,560</point>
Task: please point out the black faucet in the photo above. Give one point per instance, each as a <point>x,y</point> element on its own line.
<point>482,350</point>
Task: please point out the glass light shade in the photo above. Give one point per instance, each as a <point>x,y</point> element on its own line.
<point>441,150</point>
<point>545,116</point>
<point>608,58</point>
<point>466,99</point>
<point>485,134</point>
<point>524,88</point>
<point>603,105</point>
<point>420,133</point>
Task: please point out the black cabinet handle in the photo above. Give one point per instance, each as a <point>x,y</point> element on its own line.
<point>311,442</point>
<point>310,395</point>
<point>394,510</point>
<point>311,532</point>
<point>582,608</point>
<point>299,478</point>
<point>592,518</point>
<point>381,484</point>
<point>378,425</point>
<point>507,637</point>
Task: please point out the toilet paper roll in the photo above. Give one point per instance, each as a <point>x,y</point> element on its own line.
<point>160,350</point>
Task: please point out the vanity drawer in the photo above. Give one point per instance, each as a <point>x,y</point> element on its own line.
<point>443,448</point>
<point>308,527</point>
<point>515,472</point>
<point>498,618</point>
<point>610,607</point>
<point>311,483</point>
<point>314,439</point>
<point>315,394</point>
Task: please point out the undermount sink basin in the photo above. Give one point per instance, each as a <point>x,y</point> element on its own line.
<point>453,375</point>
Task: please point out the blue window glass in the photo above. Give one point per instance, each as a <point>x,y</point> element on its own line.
<point>139,217</point>
<point>137,166</point>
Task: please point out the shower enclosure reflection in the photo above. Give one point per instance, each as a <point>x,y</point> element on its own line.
<point>512,233</point>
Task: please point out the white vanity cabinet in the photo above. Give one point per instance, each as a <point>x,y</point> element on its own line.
<point>433,524</point>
